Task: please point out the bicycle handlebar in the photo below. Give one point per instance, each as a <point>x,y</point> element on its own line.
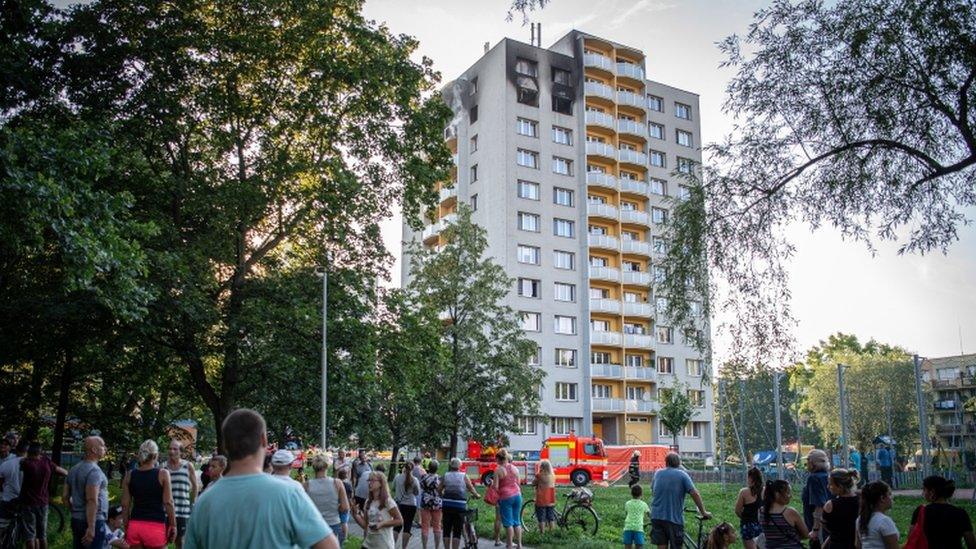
<point>700,517</point>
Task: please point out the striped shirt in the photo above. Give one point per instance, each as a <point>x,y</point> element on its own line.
<point>180,484</point>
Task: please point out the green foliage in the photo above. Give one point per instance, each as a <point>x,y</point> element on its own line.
<point>676,409</point>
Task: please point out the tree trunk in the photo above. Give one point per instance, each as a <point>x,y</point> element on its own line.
<point>64,389</point>
<point>394,462</point>
<point>674,438</point>
<point>452,449</point>
<point>35,399</point>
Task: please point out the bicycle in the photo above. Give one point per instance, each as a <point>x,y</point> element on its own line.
<point>577,512</point>
<point>13,533</point>
<point>469,537</point>
<point>699,542</point>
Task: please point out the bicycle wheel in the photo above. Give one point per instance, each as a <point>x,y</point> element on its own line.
<point>582,518</point>
<point>528,513</point>
<point>55,518</point>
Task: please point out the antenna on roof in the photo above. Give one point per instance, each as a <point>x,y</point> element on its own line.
<point>536,39</point>
<point>486,47</point>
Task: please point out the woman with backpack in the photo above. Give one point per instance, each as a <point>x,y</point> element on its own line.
<point>939,522</point>
<point>431,505</point>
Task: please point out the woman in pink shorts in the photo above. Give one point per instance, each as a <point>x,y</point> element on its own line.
<point>147,502</point>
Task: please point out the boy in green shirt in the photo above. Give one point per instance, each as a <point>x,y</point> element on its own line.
<point>636,509</point>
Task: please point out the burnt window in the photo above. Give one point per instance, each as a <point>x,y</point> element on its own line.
<point>473,114</point>
<point>526,67</point>
<point>562,105</point>
<point>560,76</point>
<point>526,82</point>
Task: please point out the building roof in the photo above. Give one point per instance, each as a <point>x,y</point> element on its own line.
<point>958,361</point>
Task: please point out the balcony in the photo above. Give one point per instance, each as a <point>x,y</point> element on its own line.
<point>632,128</point>
<point>609,306</point>
<point>450,133</point>
<point>604,338</point>
<point>632,157</point>
<point>604,273</point>
<point>447,193</point>
<point>946,404</point>
<point>631,99</point>
<point>630,70</point>
<point>595,89</point>
<point>598,61</point>
<point>448,219</point>
<point>607,405</point>
<point>640,373</point>
<point>431,231</point>
<point>635,247</point>
<point>603,119</point>
<point>601,210</point>
<point>612,371</point>
<point>603,241</point>
<point>641,341</point>
<point>598,179</point>
<point>596,148</point>
<point>638,309</point>
<point>634,186</point>
<point>638,278</point>
<point>636,217</point>
<point>643,406</point>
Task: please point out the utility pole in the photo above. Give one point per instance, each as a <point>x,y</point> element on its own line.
<point>742,419</point>
<point>923,425</point>
<point>842,395</point>
<point>721,430</point>
<point>324,273</point>
<point>779,430</point>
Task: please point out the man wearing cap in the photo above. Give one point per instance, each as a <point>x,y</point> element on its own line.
<point>281,465</point>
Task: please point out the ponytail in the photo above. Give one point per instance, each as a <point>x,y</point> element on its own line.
<point>871,495</point>
<point>408,479</point>
<point>755,478</point>
<point>844,478</point>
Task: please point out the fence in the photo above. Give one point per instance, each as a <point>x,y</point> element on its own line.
<point>907,480</point>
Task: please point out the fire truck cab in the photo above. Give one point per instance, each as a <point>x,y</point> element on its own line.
<point>575,460</point>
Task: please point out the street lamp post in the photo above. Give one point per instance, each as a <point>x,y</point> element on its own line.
<point>324,273</point>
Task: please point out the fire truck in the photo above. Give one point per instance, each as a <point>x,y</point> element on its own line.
<point>576,460</point>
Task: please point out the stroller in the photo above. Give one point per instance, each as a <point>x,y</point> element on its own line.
<point>469,538</point>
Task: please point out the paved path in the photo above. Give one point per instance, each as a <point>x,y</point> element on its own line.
<point>355,530</point>
<point>962,494</point>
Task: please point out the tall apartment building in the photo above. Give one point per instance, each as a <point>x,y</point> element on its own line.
<point>566,157</point>
<point>952,381</point>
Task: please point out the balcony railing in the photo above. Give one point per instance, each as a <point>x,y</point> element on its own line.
<point>594,118</point>
<point>630,70</point>
<point>638,309</point>
<point>595,89</point>
<point>636,277</point>
<point>447,193</point>
<point>631,99</point>
<point>642,341</point>
<point>608,405</point>
<point>632,128</point>
<point>611,306</point>
<point>613,371</point>
<point>598,61</point>
<point>448,219</point>
<point>601,210</point>
<point>604,273</point>
<point>635,216</point>
<point>635,247</point>
<point>946,404</point>
<point>600,149</point>
<point>632,157</point>
<point>450,132</point>
<point>431,231</point>
<point>641,373</point>
<point>601,180</point>
<point>603,241</point>
<point>604,338</point>
<point>634,186</point>
<point>643,406</point>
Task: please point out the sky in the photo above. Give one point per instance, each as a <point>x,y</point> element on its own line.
<point>926,304</point>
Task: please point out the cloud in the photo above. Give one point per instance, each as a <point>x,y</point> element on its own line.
<point>643,6</point>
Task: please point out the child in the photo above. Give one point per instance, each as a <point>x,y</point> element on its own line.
<point>721,537</point>
<point>115,537</point>
<point>545,496</point>
<point>636,510</point>
<point>343,475</point>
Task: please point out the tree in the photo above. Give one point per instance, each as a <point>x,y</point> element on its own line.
<point>676,410</point>
<point>486,382</point>
<point>857,115</point>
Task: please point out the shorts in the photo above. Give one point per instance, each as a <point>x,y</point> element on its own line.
<point>408,512</point>
<point>545,514</point>
<point>509,509</point>
<point>344,517</point>
<point>453,522</point>
<point>633,537</point>
<point>35,522</point>
<point>78,527</point>
<point>146,533</point>
<point>337,530</point>
<point>750,530</point>
<point>430,519</point>
<point>181,526</point>
<point>667,533</point>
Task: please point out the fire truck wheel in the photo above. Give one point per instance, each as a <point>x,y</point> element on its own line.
<point>488,478</point>
<point>580,477</point>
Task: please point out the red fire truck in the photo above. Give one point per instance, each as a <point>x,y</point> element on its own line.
<point>576,460</point>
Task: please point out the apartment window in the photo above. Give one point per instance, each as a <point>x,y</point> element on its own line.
<point>600,390</point>
<point>562,105</point>
<point>561,76</point>
<point>636,393</point>
<point>473,144</point>
<point>655,103</point>
<point>600,357</point>
<point>656,130</point>
<point>661,304</point>
<point>659,245</point>
<point>692,335</point>
<point>632,267</point>
<point>528,287</point>
<point>528,222</point>
<point>526,83</point>
<point>536,358</point>
<point>630,176</point>
<point>658,159</point>
<point>629,235</point>
<point>597,261</point>
<point>532,322</point>
<point>600,325</point>
<point>633,328</point>
<point>563,136</point>
<point>632,297</point>
<point>473,114</point>
<point>665,334</point>
<point>566,391</point>
<point>474,173</point>
<point>663,430</point>
<point>657,274</point>
<point>692,430</point>
<point>565,358</point>
<point>599,293</point>
<point>685,165</point>
<point>627,206</point>
<point>562,166</point>
<point>697,397</point>
<point>564,260</point>
<point>563,425</point>
<point>527,158</point>
<point>524,126</point>
<point>564,292</point>
<point>682,111</point>
<point>634,361</point>
<point>528,190</point>
<point>474,86</point>
<point>525,425</point>
<point>659,215</point>
<point>562,197</point>
<point>695,308</point>
<point>658,186</point>
<point>563,227</point>
<point>684,138</point>
<point>565,324</point>
<point>474,203</point>
<point>529,254</point>
<point>665,365</point>
<point>694,367</point>
<point>684,192</point>
<point>526,67</point>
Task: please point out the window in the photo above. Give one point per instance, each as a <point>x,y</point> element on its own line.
<point>658,186</point>
<point>684,192</point>
<point>682,111</point>
<point>526,67</point>
<point>474,86</point>
<point>473,144</point>
<point>561,76</point>
<point>659,216</point>
<point>596,229</point>
<point>474,173</point>
<point>536,358</point>
<point>473,114</point>
<point>597,261</point>
<point>562,105</point>
<point>655,103</point>
<point>562,166</point>
<point>564,292</point>
<point>474,203</point>
<point>665,334</point>
<point>526,85</point>
<point>528,287</point>
<point>695,308</point>
<point>658,274</point>
<point>602,391</point>
<point>600,325</point>
<point>563,425</point>
<point>528,222</point>
<point>684,138</point>
<point>527,158</point>
<point>599,293</point>
<point>528,190</point>
<point>532,322</point>
<point>529,254</point>
<point>566,358</point>
<point>634,361</point>
<point>665,365</point>
<point>525,425</point>
<point>656,130</point>
<point>563,227</point>
<point>692,430</point>
<point>565,325</point>
<point>600,357</point>
<point>633,328</point>
<point>628,206</point>
<point>636,393</point>
<point>562,197</point>
<point>524,126</point>
<point>658,159</point>
<point>632,297</point>
<point>629,235</point>
<point>692,336</point>
<point>630,176</point>
<point>566,391</point>
<point>697,397</point>
<point>564,260</point>
<point>563,136</point>
<point>663,430</point>
<point>694,367</point>
<point>659,245</point>
<point>661,304</point>
<point>685,165</point>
